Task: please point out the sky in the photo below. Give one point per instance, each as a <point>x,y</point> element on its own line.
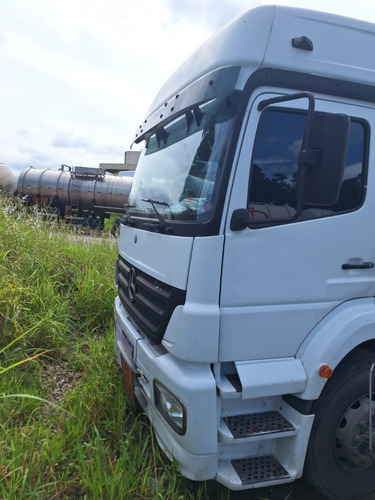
<point>78,76</point>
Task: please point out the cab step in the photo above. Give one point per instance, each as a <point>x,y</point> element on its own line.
<point>255,426</point>
<point>259,470</point>
<point>257,423</point>
<point>253,472</point>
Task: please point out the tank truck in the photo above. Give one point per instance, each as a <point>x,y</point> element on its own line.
<point>79,195</point>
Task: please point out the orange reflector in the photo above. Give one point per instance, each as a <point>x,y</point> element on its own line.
<point>325,371</point>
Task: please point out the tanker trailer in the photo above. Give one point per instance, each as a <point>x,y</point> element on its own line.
<point>80,195</point>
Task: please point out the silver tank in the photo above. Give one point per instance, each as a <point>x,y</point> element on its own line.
<point>85,187</point>
<point>7,180</point>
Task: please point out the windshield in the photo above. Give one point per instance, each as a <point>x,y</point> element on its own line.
<point>179,172</point>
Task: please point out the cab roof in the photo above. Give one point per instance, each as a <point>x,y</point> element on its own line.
<point>280,37</point>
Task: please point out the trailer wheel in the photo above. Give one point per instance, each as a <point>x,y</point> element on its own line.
<point>338,461</point>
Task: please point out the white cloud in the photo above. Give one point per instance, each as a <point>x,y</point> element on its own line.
<point>86,70</point>
<point>77,76</point>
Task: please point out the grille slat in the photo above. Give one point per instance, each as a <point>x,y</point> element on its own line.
<point>152,302</point>
<point>156,309</point>
<point>138,316</point>
<point>163,291</point>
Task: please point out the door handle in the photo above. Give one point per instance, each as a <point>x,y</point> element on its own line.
<point>362,265</point>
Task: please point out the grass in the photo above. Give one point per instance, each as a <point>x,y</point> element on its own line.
<point>66,427</point>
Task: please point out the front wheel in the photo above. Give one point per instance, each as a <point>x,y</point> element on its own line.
<point>339,463</point>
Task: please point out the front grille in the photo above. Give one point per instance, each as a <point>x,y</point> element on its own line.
<point>149,301</point>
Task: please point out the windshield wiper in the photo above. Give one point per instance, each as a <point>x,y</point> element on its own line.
<point>165,228</point>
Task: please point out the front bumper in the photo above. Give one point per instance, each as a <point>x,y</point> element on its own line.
<point>196,452</point>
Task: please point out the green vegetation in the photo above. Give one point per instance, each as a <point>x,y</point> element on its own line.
<point>66,427</point>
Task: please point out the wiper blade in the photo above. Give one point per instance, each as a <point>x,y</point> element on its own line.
<point>155,202</point>
<point>163,225</point>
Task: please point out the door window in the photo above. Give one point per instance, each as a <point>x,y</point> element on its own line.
<point>273,176</point>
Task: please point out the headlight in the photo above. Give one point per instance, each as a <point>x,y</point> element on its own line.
<point>170,407</point>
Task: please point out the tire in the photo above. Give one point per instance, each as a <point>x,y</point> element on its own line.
<point>338,463</point>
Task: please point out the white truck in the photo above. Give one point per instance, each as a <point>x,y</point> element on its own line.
<point>245,315</point>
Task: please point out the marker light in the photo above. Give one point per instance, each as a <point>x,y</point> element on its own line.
<point>325,371</point>
<point>170,407</point>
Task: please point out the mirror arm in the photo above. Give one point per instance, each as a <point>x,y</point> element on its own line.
<point>290,97</point>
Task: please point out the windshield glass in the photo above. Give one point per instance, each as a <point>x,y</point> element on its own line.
<point>179,172</point>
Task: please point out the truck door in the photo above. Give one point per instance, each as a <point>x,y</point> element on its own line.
<point>280,279</point>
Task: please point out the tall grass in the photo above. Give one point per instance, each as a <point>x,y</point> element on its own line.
<point>66,427</point>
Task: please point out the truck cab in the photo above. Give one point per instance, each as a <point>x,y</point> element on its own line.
<point>245,315</point>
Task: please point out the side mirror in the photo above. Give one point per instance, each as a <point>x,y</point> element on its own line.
<point>240,219</point>
<point>322,162</point>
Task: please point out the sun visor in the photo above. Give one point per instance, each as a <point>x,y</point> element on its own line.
<point>218,83</point>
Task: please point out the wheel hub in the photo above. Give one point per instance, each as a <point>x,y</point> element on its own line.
<point>352,436</point>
